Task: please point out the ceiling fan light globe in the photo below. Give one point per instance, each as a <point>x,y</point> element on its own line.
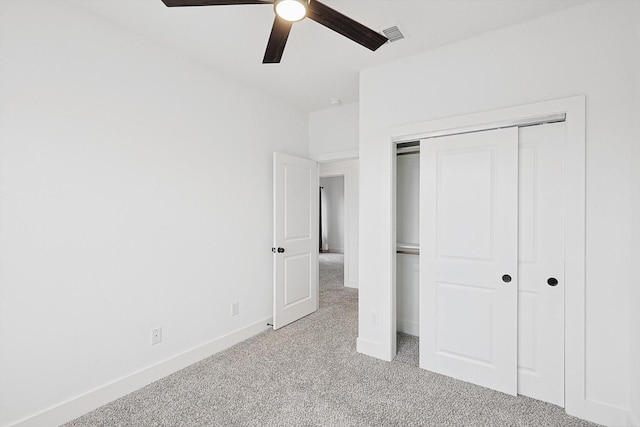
<point>291,10</point>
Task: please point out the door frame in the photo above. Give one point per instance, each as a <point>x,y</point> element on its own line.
<point>574,224</point>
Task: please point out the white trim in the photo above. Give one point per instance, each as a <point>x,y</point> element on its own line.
<point>334,251</point>
<point>93,399</point>
<point>574,107</point>
<point>373,349</point>
<point>601,413</point>
<point>392,333</point>
<point>351,284</point>
<point>332,157</point>
<point>408,327</point>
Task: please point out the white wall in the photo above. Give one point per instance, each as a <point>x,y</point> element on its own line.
<point>333,197</point>
<point>130,179</point>
<point>350,170</point>
<point>635,287</point>
<point>333,133</point>
<point>584,50</point>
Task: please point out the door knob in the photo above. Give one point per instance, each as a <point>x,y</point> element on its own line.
<point>506,278</point>
<point>552,281</point>
<point>279,250</point>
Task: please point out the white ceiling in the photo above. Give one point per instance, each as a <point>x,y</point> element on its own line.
<point>318,64</point>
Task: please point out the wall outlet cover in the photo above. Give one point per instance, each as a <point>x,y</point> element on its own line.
<point>156,336</point>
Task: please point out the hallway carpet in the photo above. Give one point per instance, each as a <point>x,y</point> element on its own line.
<point>331,266</point>
<point>309,374</point>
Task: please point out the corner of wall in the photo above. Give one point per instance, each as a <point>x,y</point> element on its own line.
<point>333,133</point>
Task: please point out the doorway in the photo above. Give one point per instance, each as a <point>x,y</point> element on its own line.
<point>332,232</point>
<point>346,170</point>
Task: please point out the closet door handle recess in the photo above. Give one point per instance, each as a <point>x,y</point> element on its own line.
<point>506,278</point>
<point>552,281</point>
<point>279,250</point>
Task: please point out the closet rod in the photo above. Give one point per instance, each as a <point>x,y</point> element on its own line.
<point>406,252</point>
<point>407,249</point>
<point>406,148</point>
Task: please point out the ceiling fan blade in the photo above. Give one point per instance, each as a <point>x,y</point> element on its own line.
<point>173,3</point>
<point>277,40</point>
<point>344,25</point>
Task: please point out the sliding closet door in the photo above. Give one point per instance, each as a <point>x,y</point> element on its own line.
<point>541,263</point>
<point>468,262</point>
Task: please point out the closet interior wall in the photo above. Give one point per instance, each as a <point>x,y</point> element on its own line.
<point>408,238</point>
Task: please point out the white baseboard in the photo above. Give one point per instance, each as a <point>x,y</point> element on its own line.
<point>408,327</point>
<point>605,414</point>
<point>599,412</point>
<point>352,284</point>
<point>332,251</point>
<point>100,396</point>
<point>373,349</point>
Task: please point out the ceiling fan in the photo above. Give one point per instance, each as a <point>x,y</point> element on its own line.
<point>289,11</point>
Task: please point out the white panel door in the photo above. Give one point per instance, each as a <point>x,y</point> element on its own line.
<point>541,263</point>
<point>295,238</point>
<point>468,257</point>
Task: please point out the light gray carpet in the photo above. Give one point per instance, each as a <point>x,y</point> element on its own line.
<point>309,374</point>
<point>331,266</point>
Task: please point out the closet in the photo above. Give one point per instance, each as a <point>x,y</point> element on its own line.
<point>408,237</point>
<point>480,256</point>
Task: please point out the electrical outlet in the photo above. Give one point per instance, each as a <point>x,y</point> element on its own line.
<point>156,336</point>
<point>235,309</point>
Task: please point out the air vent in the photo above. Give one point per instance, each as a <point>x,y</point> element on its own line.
<point>393,34</point>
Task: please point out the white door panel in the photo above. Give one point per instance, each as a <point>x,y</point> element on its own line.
<point>464,205</point>
<point>295,258</point>
<point>468,241</point>
<point>541,257</point>
<point>297,270</point>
